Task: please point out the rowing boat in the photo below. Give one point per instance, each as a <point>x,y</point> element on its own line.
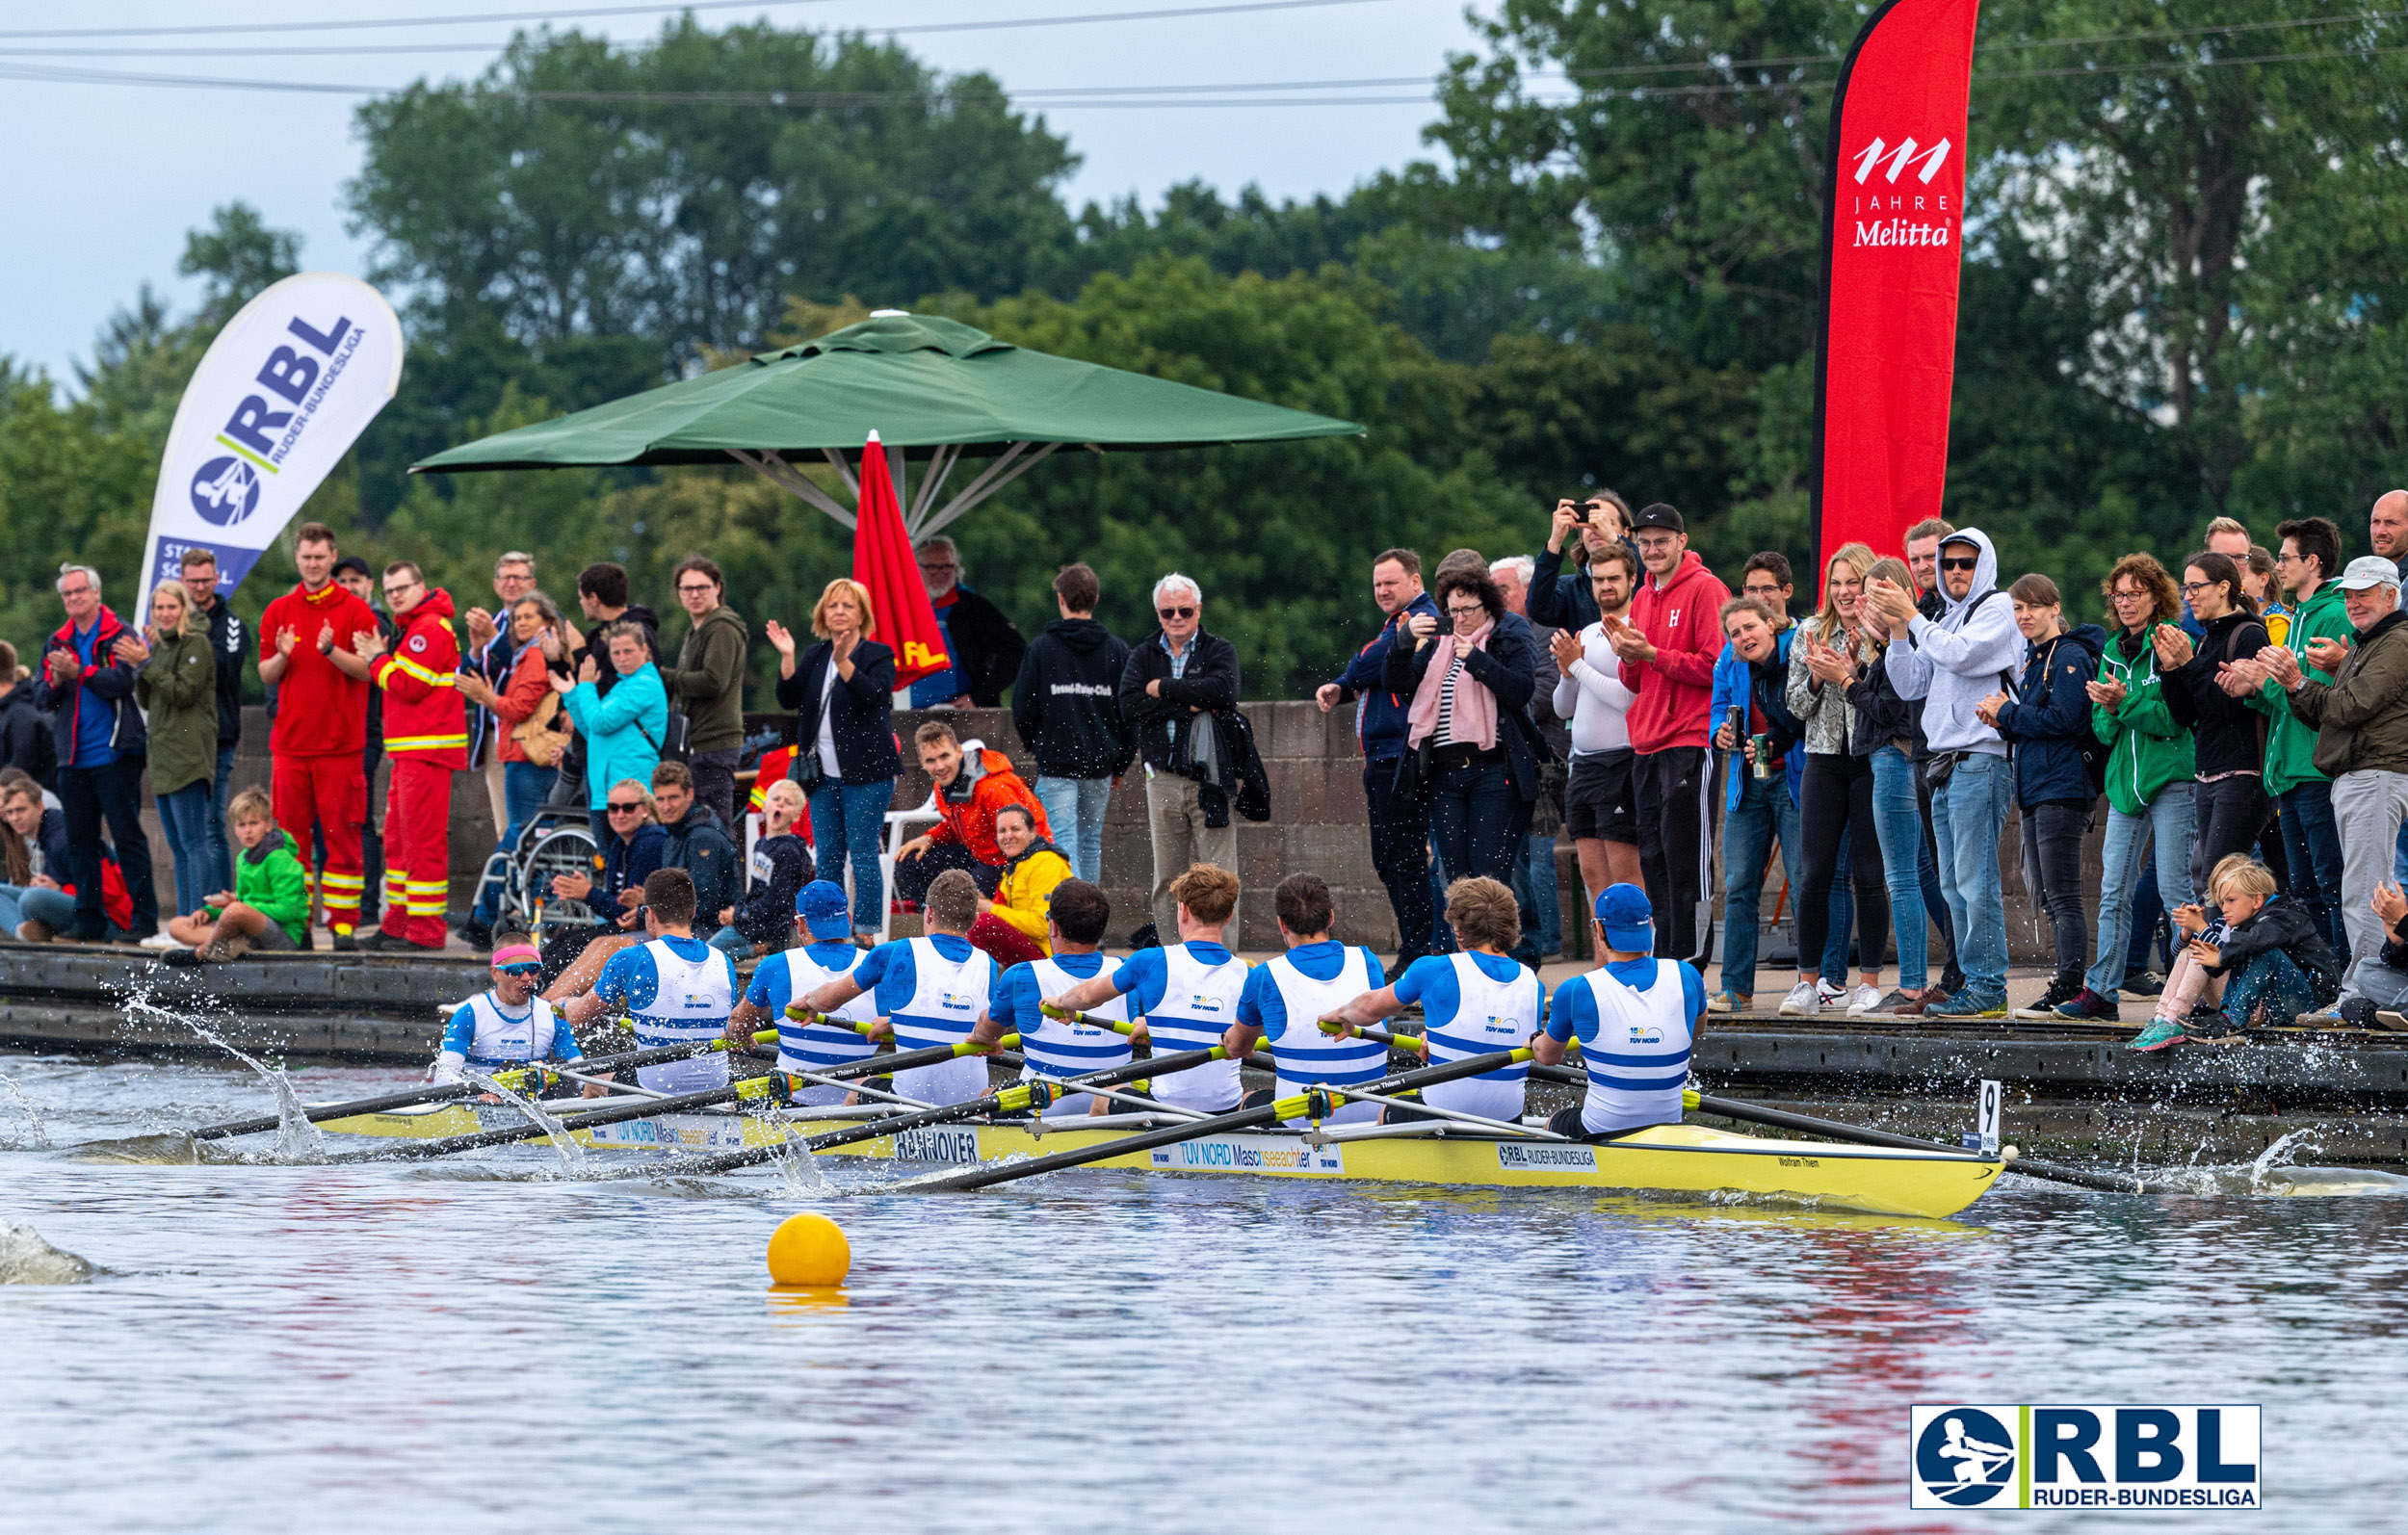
<point>1681,1159</point>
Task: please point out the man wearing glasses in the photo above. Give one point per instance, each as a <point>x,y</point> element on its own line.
<point>1179,674</point>
<point>985,647</point>
<point>708,684</point>
<point>426,734</point>
<point>1953,663</point>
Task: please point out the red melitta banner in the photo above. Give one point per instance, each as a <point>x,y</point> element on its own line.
<point>1893,205</point>
<point>882,560</point>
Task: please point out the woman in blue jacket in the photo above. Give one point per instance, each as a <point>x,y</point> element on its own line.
<point>2047,723</point>
<point>624,728</point>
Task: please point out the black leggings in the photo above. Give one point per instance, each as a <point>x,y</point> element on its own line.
<point>1837,796</point>
<point>2232,812</point>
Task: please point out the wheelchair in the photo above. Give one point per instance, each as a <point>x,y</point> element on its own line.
<point>558,838</point>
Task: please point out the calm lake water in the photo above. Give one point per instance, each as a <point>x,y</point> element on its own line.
<point>485,1345</point>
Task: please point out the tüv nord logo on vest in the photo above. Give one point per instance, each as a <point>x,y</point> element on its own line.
<point>1886,213</point>
<point>225,489</point>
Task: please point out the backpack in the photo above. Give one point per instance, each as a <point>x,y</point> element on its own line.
<point>2096,754</point>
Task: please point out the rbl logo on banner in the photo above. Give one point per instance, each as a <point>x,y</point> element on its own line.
<point>2083,1457</point>
<point>224,492</point>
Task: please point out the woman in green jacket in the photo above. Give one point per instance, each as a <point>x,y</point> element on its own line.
<point>177,688</point>
<point>2150,766</point>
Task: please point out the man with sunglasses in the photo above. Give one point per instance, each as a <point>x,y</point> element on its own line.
<point>1953,663</point>
<point>1181,671</point>
<point>508,1025</point>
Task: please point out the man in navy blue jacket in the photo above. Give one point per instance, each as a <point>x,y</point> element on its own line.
<point>1399,831</point>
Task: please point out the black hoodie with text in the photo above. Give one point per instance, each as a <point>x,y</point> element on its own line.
<point>1065,704</point>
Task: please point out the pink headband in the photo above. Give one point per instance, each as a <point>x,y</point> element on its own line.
<point>517,955</point>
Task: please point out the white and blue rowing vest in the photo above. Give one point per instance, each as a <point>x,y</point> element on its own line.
<point>1060,1048</point>
<point>1638,1063</point>
<point>691,1001</point>
<point>1489,1016</point>
<point>947,999</point>
<point>1199,1003</point>
<point>817,1047</point>
<point>1307,1056</point>
<point>499,1041</point>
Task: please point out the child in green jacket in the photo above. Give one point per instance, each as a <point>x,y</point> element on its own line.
<point>269,906</point>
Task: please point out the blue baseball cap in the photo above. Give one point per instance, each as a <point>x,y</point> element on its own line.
<point>1630,921</point>
<point>821,904</point>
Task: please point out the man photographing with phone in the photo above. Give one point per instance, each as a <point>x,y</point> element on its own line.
<point>1560,599</point>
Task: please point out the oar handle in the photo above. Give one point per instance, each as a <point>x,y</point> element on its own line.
<point>1071,1015</point>
<point>1417,1044</point>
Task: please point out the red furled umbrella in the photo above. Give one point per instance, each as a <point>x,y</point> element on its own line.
<point>882,560</point>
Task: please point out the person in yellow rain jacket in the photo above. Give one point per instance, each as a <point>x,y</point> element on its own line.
<point>1012,927</point>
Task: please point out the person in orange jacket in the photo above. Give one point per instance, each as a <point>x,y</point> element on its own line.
<point>970,789</point>
<point>426,734</point>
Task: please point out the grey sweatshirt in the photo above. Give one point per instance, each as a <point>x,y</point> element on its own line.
<point>1956,661</point>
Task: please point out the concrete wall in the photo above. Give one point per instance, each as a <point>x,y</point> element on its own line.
<point>1317,823</point>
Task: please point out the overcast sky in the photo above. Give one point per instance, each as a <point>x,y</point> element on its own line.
<point>103,177</point>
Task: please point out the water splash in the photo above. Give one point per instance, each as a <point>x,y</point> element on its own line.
<point>2281,1155</point>
<point>297,1139</point>
<point>25,1259</point>
<point>572,1155</point>
<point>25,1107</point>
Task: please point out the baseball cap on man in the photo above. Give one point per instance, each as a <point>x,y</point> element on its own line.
<point>821,904</point>
<point>1630,921</point>
<point>2368,571</point>
<point>1659,514</point>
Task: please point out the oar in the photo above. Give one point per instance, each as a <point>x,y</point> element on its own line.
<point>1834,1129</point>
<point>773,1085</point>
<point>1315,1104</point>
<point>515,1078</point>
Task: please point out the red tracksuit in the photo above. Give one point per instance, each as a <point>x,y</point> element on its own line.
<point>426,734</point>
<point>321,727</point>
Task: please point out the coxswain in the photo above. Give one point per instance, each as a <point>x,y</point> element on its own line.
<point>827,954</point>
<point>1636,1017</point>
<point>673,988</point>
<point>508,1024</point>
<point>1285,1000</point>
<point>1474,1002</point>
<point>1183,995</point>
<point>930,991</point>
<point>1076,915</point>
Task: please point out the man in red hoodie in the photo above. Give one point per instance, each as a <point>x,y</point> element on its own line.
<point>426,734</point>
<point>1669,645</point>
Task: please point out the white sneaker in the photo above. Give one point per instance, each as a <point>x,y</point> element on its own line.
<point>159,941</point>
<point>1868,999</point>
<point>1804,999</point>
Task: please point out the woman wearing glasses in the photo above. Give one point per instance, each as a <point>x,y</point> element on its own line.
<point>842,690</point>
<point>2233,810</point>
<point>1470,742</point>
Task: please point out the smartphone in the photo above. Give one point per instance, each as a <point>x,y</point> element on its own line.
<point>1739,722</point>
<point>1580,506</point>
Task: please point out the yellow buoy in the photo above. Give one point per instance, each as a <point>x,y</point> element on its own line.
<point>809,1249</point>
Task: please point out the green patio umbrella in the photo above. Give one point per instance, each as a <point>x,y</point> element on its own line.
<point>924,385</point>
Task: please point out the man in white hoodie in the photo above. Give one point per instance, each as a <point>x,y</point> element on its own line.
<point>1952,663</point>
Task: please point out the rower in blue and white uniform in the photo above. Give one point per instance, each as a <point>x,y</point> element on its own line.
<point>1184,995</point>
<point>1636,1017</point>
<point>508,1024</point>
<point>1475,1002</point>
<point>930,991</point>
<point>1076,915</point>
<point>676,989</point>
<point>1285,1000</point>
<point>828,953</point>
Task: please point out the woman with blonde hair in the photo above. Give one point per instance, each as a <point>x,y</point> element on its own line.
<point>178,690</point>
<point>842,691</point>
<point>1890,729</point>
<point>1835,799</point>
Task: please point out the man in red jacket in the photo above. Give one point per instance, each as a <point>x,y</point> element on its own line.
<point>308,653</point>
<point>1669,645</point>
<point>970,789</point>
<point>426,734</point>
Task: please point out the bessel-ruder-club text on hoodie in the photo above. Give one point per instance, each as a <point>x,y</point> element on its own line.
<point>1683,619</point>
<point>1952,663</point>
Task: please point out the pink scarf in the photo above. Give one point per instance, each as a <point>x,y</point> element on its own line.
<point>1475,721</point>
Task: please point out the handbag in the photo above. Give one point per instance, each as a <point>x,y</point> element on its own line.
<point>805,769</point>
<point>536,735</point>
<point>676,737</point>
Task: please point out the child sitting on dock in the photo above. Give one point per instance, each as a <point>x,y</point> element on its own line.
<point>2263,958</point>
<point>269,906</point>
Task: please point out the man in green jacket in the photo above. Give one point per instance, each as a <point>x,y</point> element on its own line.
<point>708,684</point>
<point>2303,796</point>
<point>2362,739</point>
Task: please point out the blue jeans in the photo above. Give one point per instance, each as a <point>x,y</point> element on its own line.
<point>2312,845</point>
<point>1897,820</point>
<point>1478,820</point>
<point>1535,887</point>
<point>1764,815</point>
<point>220,849</point>
<point>731,943</point>
<point>186,816</point>
<point>524,786</point>
<point>847,820</point>
<point>2168,822</point>
<point>2274,980</point>
<point>1968,818</point>
<point>54,909</point>
<point>1074,808</point>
